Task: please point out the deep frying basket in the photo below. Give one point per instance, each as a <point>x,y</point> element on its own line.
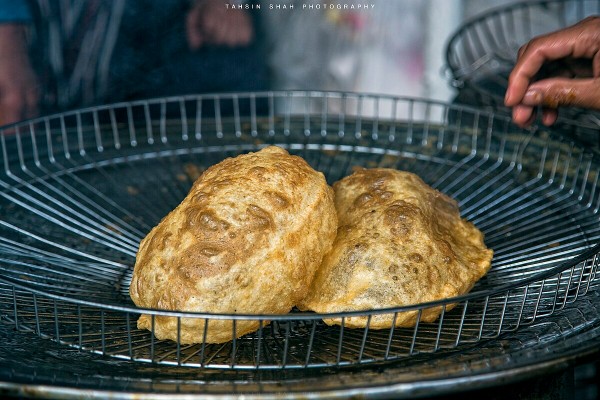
<point>482,52</point>
<point>79,190</point>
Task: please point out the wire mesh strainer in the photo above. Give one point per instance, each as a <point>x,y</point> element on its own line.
<point>481,53</point>
<point>79,190</point>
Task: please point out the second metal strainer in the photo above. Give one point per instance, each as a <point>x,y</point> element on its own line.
<point>79,190</point>
<point>482,52</point>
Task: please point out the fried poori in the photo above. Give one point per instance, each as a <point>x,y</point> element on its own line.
<point>247,239</point>
<point>399,242</point>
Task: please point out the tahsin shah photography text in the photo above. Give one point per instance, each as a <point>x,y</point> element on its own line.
<point>301,6</point>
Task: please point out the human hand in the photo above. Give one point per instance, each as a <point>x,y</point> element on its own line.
<point>561,68</point>
<point>210,22</point>
<point>19,94</point>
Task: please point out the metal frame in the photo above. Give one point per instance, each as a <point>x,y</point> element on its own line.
<point>488,44</point>
<point>79,190</point>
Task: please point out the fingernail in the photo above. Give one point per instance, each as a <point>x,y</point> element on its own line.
<point>506,96</point>
<point>532,97</point>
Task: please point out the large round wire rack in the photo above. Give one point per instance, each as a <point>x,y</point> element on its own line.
<point>481,53</point>
<point>79,190</point>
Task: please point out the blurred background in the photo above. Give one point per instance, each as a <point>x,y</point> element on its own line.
<point>102,51</point>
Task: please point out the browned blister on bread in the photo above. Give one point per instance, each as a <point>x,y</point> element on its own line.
<point>247,239</point>
<point>399,242</point>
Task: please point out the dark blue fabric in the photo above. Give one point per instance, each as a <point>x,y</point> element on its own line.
<point>14,11</point>
<point>152,57</point>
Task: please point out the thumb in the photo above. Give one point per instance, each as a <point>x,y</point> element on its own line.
<point>556,92</point>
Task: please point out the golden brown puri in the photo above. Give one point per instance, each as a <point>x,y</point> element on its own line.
<point>247,239</point>
<point>399,242</point>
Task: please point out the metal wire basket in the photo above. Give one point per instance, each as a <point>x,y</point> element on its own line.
<point>79,190</point>
<point>481,53</point>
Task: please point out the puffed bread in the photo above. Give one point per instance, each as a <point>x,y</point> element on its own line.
<point>399,242</point>
<point>247,239</point>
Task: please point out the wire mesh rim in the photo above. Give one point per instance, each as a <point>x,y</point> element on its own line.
<point>474,294</point>
<point>477,19</point>
<point>336,94</point>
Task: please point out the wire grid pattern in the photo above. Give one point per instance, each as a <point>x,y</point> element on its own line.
<point>555,339</point>
<point>79,190</point>
<point>482,52</point>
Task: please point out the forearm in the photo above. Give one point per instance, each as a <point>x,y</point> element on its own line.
<point>18,84</point>
<point>13,39</point>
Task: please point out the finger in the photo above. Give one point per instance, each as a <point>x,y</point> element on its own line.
<point>221,35</point>
<point>193,30</point>
<point>556,92</point>
<point>211,26</point>
<point>522,50</point>
<point>549,116</point>
<point>529,63</point>
<point>241,35</point>
<point>195,40</point>
<point>246,34</point>
<point>514,88</point>
<point>523,115</point>
<point>596,65</point>
<point>216,36</point>
<point>232,38</point>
